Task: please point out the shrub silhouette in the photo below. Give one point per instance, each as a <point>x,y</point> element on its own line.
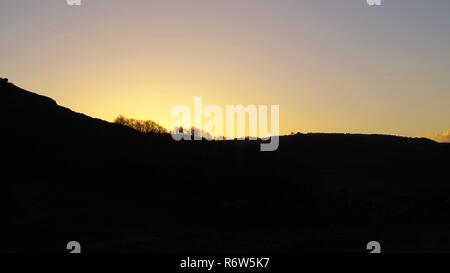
<point>145,126</point>
<point>3,80</point>
<point>194,132</point>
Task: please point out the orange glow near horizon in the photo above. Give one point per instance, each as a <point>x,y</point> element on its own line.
<point>332,67</point>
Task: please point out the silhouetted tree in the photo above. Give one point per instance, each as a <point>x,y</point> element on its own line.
<point>145,126</point>
<point>194,132</point>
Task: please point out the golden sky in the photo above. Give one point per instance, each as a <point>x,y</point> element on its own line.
<point>332,66</point>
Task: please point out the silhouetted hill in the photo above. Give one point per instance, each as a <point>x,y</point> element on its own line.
<point>73,177</point>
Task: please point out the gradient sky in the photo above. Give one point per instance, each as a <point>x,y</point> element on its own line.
<point>331,65</point>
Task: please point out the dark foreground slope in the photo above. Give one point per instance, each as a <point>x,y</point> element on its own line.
<point>114,189</point>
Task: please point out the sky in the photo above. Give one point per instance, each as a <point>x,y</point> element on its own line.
<point>332,65</point>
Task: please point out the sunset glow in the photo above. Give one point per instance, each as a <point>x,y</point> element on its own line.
<point>332,66</point>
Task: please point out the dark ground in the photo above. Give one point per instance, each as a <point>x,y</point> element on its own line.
<point>72,177</point>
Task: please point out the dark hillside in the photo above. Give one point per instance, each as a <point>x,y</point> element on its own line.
<point>73,177</point>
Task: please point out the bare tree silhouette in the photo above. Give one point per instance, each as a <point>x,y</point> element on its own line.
<point>145,126</point>
<point>194,132</point>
